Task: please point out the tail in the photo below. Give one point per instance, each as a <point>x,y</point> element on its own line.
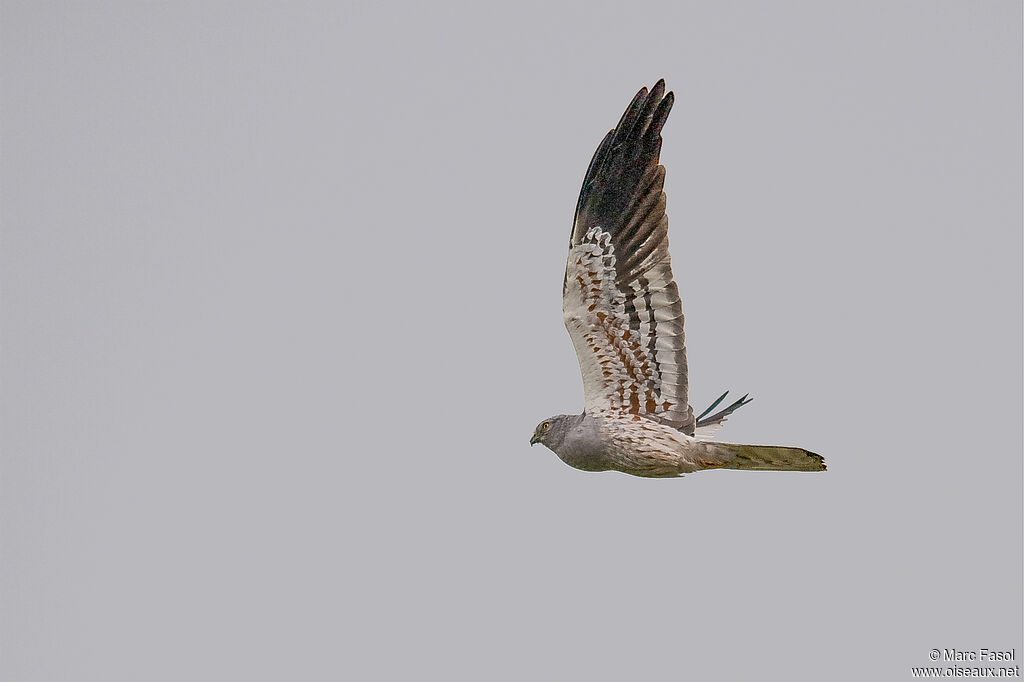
<point>760,457</point>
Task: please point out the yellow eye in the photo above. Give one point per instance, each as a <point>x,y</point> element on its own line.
<point>545,425</point>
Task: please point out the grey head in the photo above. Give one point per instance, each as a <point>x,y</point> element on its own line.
<point>551,432</point>
<point>575,438</point>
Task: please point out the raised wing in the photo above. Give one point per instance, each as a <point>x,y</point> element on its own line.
<point>620,303</point>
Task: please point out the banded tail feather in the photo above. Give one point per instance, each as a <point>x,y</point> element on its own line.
<point>761,458</point>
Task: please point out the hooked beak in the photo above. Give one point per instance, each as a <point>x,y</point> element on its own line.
<point>533,439</point>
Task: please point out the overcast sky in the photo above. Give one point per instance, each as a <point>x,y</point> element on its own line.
<point>280,305</point>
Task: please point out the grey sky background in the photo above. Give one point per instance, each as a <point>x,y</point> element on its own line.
<point>281,309</point>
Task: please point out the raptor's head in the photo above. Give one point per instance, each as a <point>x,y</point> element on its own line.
<point>551,431</point>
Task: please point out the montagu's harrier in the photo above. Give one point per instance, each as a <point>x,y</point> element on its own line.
<point>622,309</point>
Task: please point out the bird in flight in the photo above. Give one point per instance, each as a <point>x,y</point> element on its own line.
<point>622,309</point>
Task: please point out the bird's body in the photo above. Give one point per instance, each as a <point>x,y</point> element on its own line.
<point>606,442</point>
<point>623,313</point>
<point>641,447</point>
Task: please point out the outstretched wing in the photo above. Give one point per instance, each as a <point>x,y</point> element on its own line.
<point>620,303</point>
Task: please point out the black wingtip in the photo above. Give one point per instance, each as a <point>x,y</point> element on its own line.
<point>712,406</point>
<point>617,171</point>
<point>705,420</point>
<point>658,118</point>
<point>657,92</point>
<point>631,114</point>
